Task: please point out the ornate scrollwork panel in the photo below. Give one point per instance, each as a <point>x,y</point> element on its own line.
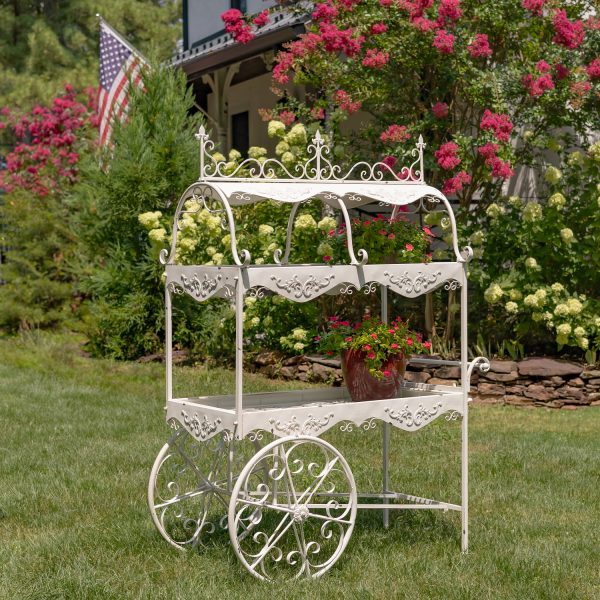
<point>408,418</point>
<point>416,284</point>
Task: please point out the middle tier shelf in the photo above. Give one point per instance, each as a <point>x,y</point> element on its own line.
<point>302,283</point>
<point>313,411</point>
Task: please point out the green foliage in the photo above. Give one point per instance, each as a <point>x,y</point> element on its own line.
<point>540,262</point>
<point>154,158</point>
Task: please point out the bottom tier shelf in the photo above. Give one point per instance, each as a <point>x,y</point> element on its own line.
<point>313,411</point>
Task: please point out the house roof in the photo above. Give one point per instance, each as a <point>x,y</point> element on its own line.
<point>224,50</point>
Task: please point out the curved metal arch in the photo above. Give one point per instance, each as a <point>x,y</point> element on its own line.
<point>167,257</point>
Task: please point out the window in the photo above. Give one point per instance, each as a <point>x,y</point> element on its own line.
<point>239,4</point>
<point>240,132</point>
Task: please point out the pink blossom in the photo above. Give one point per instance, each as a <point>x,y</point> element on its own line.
<point>287,117</point>
<point>281,70</point>
<point>562,72</point>
<point>261,19</point>
<point>374,336</point>
<point>580,88</point>
<point>423,24</point>
<point>450,10</point>
<point>375,59</point>
<point>348,4</point>
<point>235,24</point>
<point>386,3</point>
<point>409,247</point>
<point>535,6</point>
<point>366,347</point>
<point>326,258</point>
<point>480,46</point>
<point>395,134</point>
<point>389,161</point>
<point>443,42</point>
<point>567,33</point>
<point>387,373</point>
<point>409,341</point>
<point>317,113</point>
<point>440,110</point>
<point>499,167</point>
<point>340,40</point>
<point>488,150</point>
<point>543,67</point>
<point>394,346</point>
<point>348,339</point>
<point>593,69</point>
<point>456,183</point>
<point>305,44</point>
<point>382,232</point>
<point>231,16</point>
<point>371,355</point>
<point>325,12</point>
<point>392,236</point>
<point>537,86</point>
<point>499,124</point>
<point>446,156</point>
<point>378,28</point>
<point>428,231</point>
<point>426,345</point>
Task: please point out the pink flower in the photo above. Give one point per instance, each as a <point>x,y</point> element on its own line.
<point>387,373</point>
<point>446,156</point>
<point>440,110</point>
<point>499,124</point>
<point>456,183</point>
<point>488,150</point>
<point>542,66</point>
<point>409,341</point>
<point>317,338</point>
<point>366,347</point>
<point>235,24</point>
<point>428,231</point>
<point>317,113</point>
<point>392,236</point>
<point>375,59</point>
<point>567,33</point>
<point>395,134</point>
<point>394,346</point>
<point>593,69</point>
<point>231,16</point>
<point>450,10</point>
<point>427,345</point>
<point>378,28</point>
<point>409,247</point>
<point>348,339</point>
<point>389,161</point>
<point>345,102</point>
<point>285,61</point>
<point>371,355</point>
<point>443,42</point>
<point>386,3</point>
<point>539,85</point>
<point>382,232</point>
<point>261,18</point>
<point>423,24</point>
<point>535,6</point>
<point>340,40</point>
<point>480,46</point>
<point>579,89</point>
<point>324,12</point>
<point>500,168</point>
<point>562,72</point>
<point>287,117</point>
<point>374,336</point>
<point>326,258</point>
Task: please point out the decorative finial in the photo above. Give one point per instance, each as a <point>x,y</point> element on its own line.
<point>201,133</point>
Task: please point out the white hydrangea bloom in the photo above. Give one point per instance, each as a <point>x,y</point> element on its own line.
<point>250,300</point>
<point>532,212</point>
<point>531,300</point>
<point>563,329</point>
<point>275,129</point>
<point>547,316</point>
<point>552,175</point>
<point>597,321</point>
<point>514,201</point>
<point>265,229</point>
<point>477,237</point>
<point>288,159</point>
<point>187,243</point>
<point>305,222</point>
<point>218,157</point>
<point>281,148</point>
<point>531,263</point>
<point>158,235</point>
<point>299,334</point>
<point>234,155</point>
<point>494,211</point>
<point>574,306</point>
<point>557,288</point>
<point>256,152</point>
<point>575,158</point>
<point>217,258</point>
<point>561,310</point>
<point>187,223</point>
<point>579,331</point>
<point>515,294</point>
<point>268,321</point>
<point>557,200</point>
<point>584,343</point>
<point>567,235</point>
<point>493,293</point>
<point>537,316</point>
<point>327,224</point>
<point>511,307</point>
<point>299,346</point>
<point>324,249</point>
<point>541,295</point>
<point>259,261</point>
<point>296,135</point>
<point>594,151</point>
<point>150,220</point>
<point>255,321</point>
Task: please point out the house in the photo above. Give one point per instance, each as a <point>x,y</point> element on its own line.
<point>232,81</point>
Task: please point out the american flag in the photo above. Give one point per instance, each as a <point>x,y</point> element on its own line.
<point>120,67</point>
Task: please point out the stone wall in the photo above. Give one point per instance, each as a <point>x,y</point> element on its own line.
<point>529,382</point>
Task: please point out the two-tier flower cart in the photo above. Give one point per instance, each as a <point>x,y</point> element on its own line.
<point>290,504</point>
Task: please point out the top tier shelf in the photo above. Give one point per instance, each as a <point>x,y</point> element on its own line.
<point>223,185</point>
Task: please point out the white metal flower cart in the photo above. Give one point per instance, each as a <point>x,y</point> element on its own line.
<point>290,505</point>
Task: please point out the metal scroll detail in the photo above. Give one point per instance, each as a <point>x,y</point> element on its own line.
<point>318,166</point>
<point>302,289</point>
<point>367,425</point>
<point>311,425</point>
<point>200,287</point>
<point>420,283</point>
<point>200,427</point>
<point>410,420</point>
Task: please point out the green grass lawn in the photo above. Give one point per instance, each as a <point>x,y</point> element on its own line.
<point>79,436</point>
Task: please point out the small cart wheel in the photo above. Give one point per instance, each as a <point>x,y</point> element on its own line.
<point>292,509</point>
<point>188,488</point>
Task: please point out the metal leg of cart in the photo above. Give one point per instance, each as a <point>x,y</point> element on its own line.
<point>386,426</point>
<point>466,384</point>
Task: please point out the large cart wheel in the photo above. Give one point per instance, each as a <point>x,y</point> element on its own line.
<point>292,509</point>
<point>188,488</point>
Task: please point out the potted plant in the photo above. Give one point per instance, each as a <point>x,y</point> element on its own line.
<point>374,354</point>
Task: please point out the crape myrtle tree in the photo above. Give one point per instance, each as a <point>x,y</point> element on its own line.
<point>490,85</point>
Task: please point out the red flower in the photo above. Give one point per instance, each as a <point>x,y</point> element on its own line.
<point>440,110</point>
<point>395,134</point>
<point>443,42</point>
<point>456,183</point>
<point>344,101</point>
<point>409,247</point>
<point>428,231</point>
<point>348,339</point>
<point>480,46</point>
<point>561,71</point>
<point>424,24</point>
<point>371,355</point>
<point>538,86</point>
<point>324,12</point>
<point>427,345</point>
<point>593,69</point>
<point>409,341</point>
<point>450,10</point>
<point>382,232</point>
<point>488,150</point>
<point>500,168</point>
<point>287,117</point>
<point>392,236</point>
<point>567,33</point>
<point>394,346</point>
<point>499,124</point>
<point>446,156</point>
<point>261,19</point>
<point>543,67</point>
<point>378,28</point>
<point>374,336</point>
<point>326,258</point>
<point>387,373</point>
<point>366,348</point>
<point>389,161</point>
<point>375,59</point>
<point>535,6</point>
<point>317,113</point>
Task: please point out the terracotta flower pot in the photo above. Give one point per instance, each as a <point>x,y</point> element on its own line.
<point>363,386</point>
